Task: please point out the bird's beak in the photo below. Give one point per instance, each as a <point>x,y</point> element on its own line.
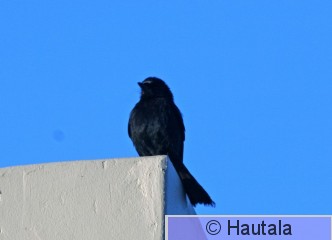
<point>140,84</point>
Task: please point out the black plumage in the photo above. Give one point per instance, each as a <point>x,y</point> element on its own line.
<point>156,128</point>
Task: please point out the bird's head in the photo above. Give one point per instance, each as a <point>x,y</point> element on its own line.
<point>153,87</point>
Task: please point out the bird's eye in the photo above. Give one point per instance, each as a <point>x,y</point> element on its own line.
<point>147,82</point>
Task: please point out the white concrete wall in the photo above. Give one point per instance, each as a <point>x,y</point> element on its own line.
<point>101,199</point>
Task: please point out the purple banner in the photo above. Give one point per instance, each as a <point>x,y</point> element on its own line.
<point>248,228</point>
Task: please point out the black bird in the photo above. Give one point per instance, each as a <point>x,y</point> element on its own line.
<point>156,128</point>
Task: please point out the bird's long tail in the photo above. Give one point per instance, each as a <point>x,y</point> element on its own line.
<point>195,192</point>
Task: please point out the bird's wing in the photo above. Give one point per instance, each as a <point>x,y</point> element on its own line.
<point>176,133</point>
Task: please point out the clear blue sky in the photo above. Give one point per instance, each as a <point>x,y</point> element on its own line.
<point>253,80</point>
